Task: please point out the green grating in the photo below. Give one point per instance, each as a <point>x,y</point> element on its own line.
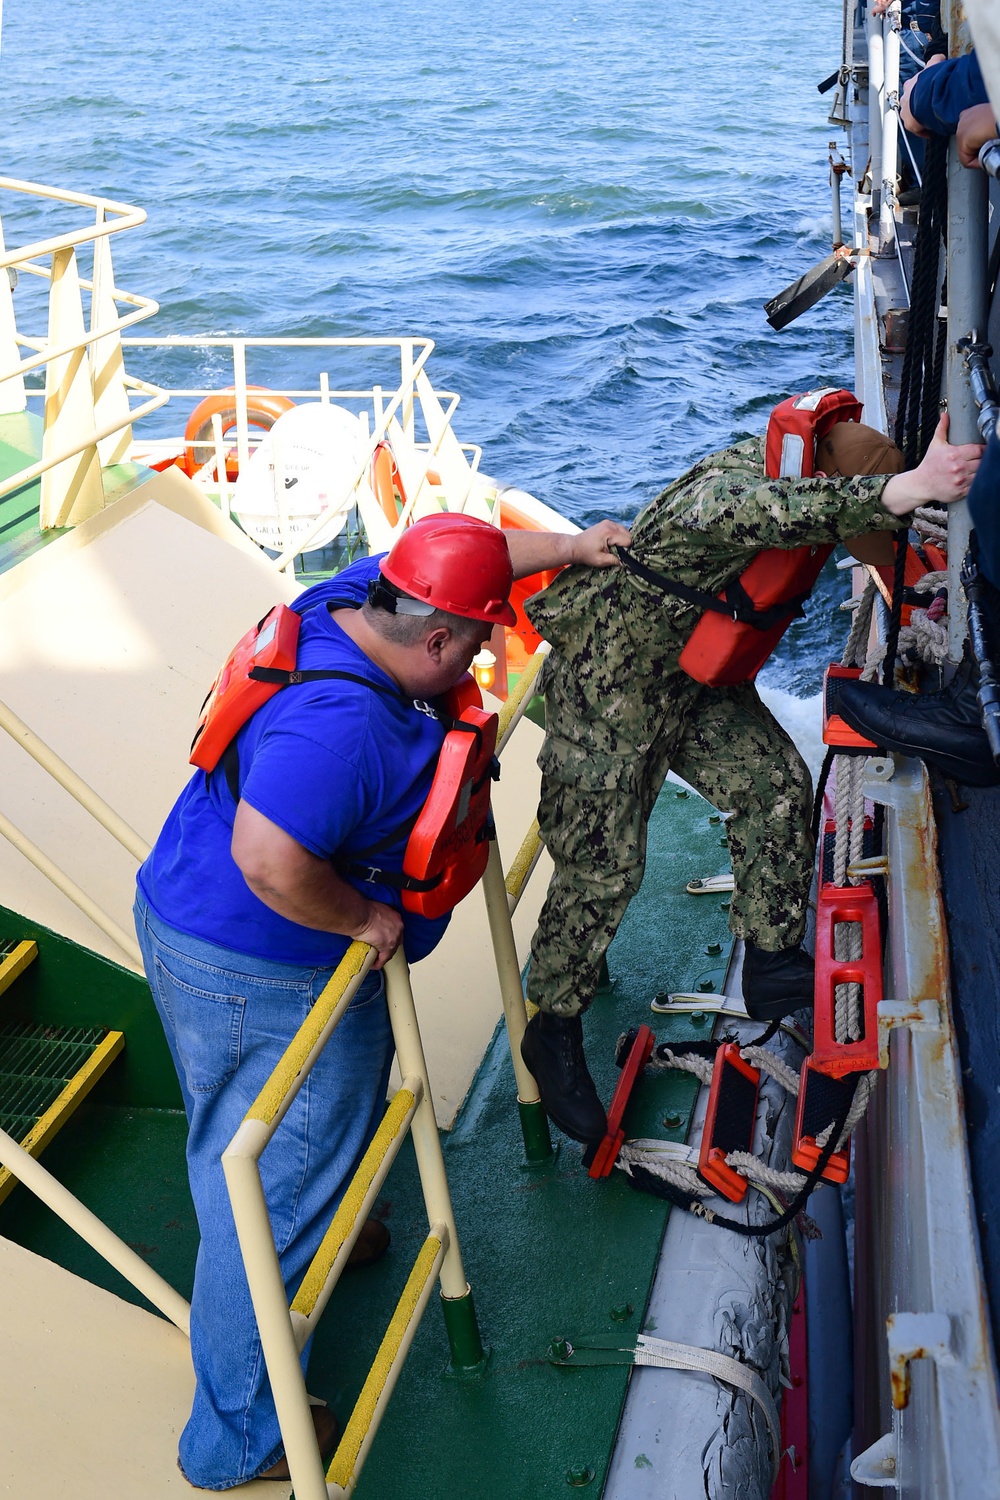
<point>36,1063</point>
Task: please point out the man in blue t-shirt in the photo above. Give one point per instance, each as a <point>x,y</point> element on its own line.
<point>252,895</point>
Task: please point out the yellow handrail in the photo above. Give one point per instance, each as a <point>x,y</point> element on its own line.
<point>284,1329</point>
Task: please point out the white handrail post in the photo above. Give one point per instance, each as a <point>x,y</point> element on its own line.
<point>12,392</point>
<point>70,491</point>
<point>107,367</point>
<point>876,105</point>
<point>406,384</point>
<point>218,438</point>
<point>890,130</point>
<point>460,1317</point>
<point>242,420</point>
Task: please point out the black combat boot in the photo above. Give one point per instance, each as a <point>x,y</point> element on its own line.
<point>776,984</point>
<point>944,729</point>
<point>552,1047</point>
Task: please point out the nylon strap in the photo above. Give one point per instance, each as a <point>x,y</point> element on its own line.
<point>665,1354</point>
<point>737,604</point>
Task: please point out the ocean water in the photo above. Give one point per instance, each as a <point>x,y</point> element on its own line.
<point>584,204</point>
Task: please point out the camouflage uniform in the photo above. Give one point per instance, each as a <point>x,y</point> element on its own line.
<point>620,714</point>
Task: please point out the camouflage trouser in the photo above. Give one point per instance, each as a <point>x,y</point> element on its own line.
<point>597,795</point>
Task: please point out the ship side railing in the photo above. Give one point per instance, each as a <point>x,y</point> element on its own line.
<point>88,413</point>
<point>383,409</point>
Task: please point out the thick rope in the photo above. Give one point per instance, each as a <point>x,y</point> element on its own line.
<point>862,1094</point>
<point>774,1067</point>
<point>855,651</point>
<point>684,1062</point>
<point>761,1175</point>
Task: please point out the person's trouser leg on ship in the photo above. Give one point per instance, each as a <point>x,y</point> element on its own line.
<point>736,754</point>
<point>593,814</point>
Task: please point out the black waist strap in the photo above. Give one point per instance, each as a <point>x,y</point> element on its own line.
<point>737,603</point>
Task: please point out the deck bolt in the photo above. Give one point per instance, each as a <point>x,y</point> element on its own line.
<point>715,818</point>
<point>681,793</point>
<point>673,1121</point>
<point>698,1018</point>
<point>661,997</point>
<point>724,841</point>
<point>622,1312</point>
<point>706,986</point>
<point>713,948</point>
<point>579,1475</point>
<point>725,905</point>
<point>559,1349</point>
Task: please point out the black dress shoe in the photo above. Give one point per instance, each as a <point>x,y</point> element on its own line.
<point>552,1047</point>
<point>776,984</point>
<point>944,729</point>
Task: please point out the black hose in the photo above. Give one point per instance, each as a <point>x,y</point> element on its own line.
<point>824,776</point>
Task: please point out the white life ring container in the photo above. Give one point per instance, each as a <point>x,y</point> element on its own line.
<point>315,453</point>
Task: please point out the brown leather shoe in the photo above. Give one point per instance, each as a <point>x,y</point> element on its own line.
<point>327,1436</point>
<point>370,1245</point>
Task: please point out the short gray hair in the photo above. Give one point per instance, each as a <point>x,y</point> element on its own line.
<point>408,630</point>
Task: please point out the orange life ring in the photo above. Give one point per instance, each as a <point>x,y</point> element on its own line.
<point>264,407</point>
<point>386,481</point>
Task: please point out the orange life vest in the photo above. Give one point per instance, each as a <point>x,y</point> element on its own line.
<point>740,627</point>
<point>448,840</point>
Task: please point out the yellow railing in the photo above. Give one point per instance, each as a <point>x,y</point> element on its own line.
<point>284,1330</point>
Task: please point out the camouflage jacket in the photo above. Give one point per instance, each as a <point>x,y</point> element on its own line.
<point>620,636</point>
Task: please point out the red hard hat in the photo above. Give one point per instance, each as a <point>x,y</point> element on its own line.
<point>455,563</point>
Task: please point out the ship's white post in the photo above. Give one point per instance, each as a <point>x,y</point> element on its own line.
<point>968,223</point>
<point>890,131</point>
<point>242,418</point>
<point>107,367</point>
<point>71,490</point>
<point>12,392</point>
<point>876,105</point>
<point>406,384</point>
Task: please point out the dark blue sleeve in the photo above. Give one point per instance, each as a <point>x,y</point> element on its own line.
<point>984,506</point>
<point>941,93</point>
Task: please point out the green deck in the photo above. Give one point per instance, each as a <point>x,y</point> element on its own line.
<point>20,447</point>
<point>547,1251</point>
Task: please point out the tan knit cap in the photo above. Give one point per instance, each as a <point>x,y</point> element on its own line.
<point>851,448</point>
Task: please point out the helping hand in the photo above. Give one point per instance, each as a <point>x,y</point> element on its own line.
<point>592,548</point>
<point>909,119</point>
<point>383,931</point>
<point>947,471</point>
<point>943,476</point>
<point>976,126</point>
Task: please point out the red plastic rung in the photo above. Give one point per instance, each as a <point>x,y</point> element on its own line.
<point>820,1102</point>
<point>729,1121</point>
<point>837,731</point>
<point>834,904</point>
<point>639,1054</point>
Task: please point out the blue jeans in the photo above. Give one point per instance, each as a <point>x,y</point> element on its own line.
<point>228,1018</point>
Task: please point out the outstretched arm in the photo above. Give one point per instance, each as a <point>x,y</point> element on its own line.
<point>306,889</point>
<point>943,475</point>
<point>537,551</point>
